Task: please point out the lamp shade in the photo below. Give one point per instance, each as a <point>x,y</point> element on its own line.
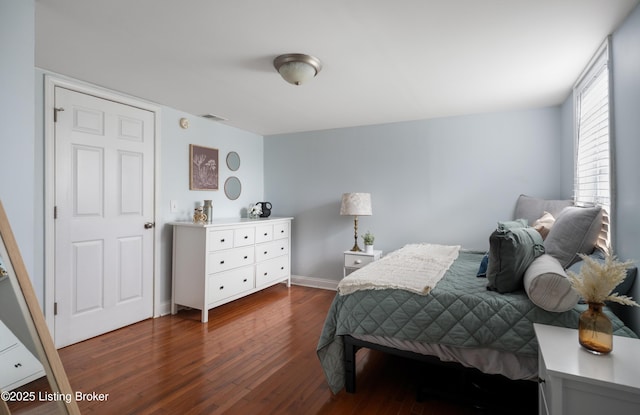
<point>358,204</point>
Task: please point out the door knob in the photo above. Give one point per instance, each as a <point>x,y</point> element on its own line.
<point>149,225</point>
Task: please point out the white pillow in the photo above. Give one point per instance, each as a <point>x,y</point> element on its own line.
<point>547,286</point>
<point>544,224</point>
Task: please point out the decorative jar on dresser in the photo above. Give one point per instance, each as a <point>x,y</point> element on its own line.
<point>221,261</point>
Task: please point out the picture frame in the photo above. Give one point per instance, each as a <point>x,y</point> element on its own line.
<point>203,168</point>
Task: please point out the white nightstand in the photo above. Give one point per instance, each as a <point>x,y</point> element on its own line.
<point>355,260</point>
<point>576,382</point>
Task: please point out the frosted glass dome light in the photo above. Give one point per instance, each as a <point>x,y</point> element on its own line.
<point>297,68</point>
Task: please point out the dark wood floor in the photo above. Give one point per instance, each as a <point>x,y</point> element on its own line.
<point>256,355</point>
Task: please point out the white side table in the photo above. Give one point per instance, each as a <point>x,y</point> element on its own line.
<point>576,382</point>
<point>356,260</point>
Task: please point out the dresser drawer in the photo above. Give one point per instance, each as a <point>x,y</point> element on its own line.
<point>357,261</point>
<point>228,259</point>
<point>218,240</point>
<point>244,237</point>
<point>281,230</point>
<point>264,233</point>
<point>230,283</point>
<point>272,249</point>
<point>17,367</point>
<point>271,270</point>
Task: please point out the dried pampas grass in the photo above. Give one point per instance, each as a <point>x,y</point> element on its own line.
<point>597,280</point>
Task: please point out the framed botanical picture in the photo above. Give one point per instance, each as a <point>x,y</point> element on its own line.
<point>203,168</point>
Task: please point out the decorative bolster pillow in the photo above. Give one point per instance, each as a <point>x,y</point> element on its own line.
<point>547,286</point>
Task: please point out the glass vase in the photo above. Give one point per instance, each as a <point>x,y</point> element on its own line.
<point>595,331</point>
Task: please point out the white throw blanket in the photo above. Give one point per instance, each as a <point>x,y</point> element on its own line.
<point>414,267</point>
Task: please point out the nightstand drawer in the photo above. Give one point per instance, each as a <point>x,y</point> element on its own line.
<point>357,261</point>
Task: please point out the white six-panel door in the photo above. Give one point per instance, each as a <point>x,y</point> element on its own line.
<point>104,166</point>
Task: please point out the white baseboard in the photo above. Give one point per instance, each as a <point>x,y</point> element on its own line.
<point>325,284</point>
<point>163,309</point>
<point>322,283</point>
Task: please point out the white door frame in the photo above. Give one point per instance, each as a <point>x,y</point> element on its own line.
<point>49,186</point>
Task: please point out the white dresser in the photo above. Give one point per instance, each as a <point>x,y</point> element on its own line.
<point>18,366</point>
<point>576,382</point>
<point>222,261</point>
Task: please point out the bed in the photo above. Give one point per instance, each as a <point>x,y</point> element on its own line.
<point>458,320</point>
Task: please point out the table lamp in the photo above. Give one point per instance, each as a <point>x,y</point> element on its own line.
<point>356,204</point>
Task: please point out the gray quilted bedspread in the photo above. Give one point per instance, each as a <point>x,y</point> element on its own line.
<point>459,312</point>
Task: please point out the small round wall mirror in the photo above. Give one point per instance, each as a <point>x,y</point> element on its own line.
<point>232,188</point>
<point>233,161</point>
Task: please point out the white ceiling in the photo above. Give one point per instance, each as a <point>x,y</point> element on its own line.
<point>384,61</point>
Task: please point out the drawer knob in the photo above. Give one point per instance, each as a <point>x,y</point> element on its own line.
<point>245,280</point>
<point>246,237</point>
<point>245,257</point>
<point>17,365</point>
<point>265,252</point>
<point>281,267</point>
<point>357,261</point>
<point>265,273</point>
<point>282,248</point>
<point>265,234</point>
<point>222,262</point>
<point>222,287</point>
<point>222,240</point>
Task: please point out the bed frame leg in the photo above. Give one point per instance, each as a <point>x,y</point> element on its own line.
<point>349,366</point>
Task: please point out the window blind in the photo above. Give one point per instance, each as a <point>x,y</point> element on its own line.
<point>593,159</point>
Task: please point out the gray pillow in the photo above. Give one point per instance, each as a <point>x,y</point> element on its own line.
<point>512,248</point>
<point>532,208</point>
<point>574,232</point>
<point>547,286</point>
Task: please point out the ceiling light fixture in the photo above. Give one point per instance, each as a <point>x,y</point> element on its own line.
<point>297,68</point>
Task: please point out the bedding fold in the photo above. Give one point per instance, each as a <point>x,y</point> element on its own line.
<point>415,268</point>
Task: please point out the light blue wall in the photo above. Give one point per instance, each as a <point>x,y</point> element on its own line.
<point>17,192</point>
<point>626,101</point>
<point>625,52</point>
<point>174,175</point>
<point>445,181</point>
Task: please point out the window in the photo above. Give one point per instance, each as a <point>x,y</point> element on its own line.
<point>593,178</point>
